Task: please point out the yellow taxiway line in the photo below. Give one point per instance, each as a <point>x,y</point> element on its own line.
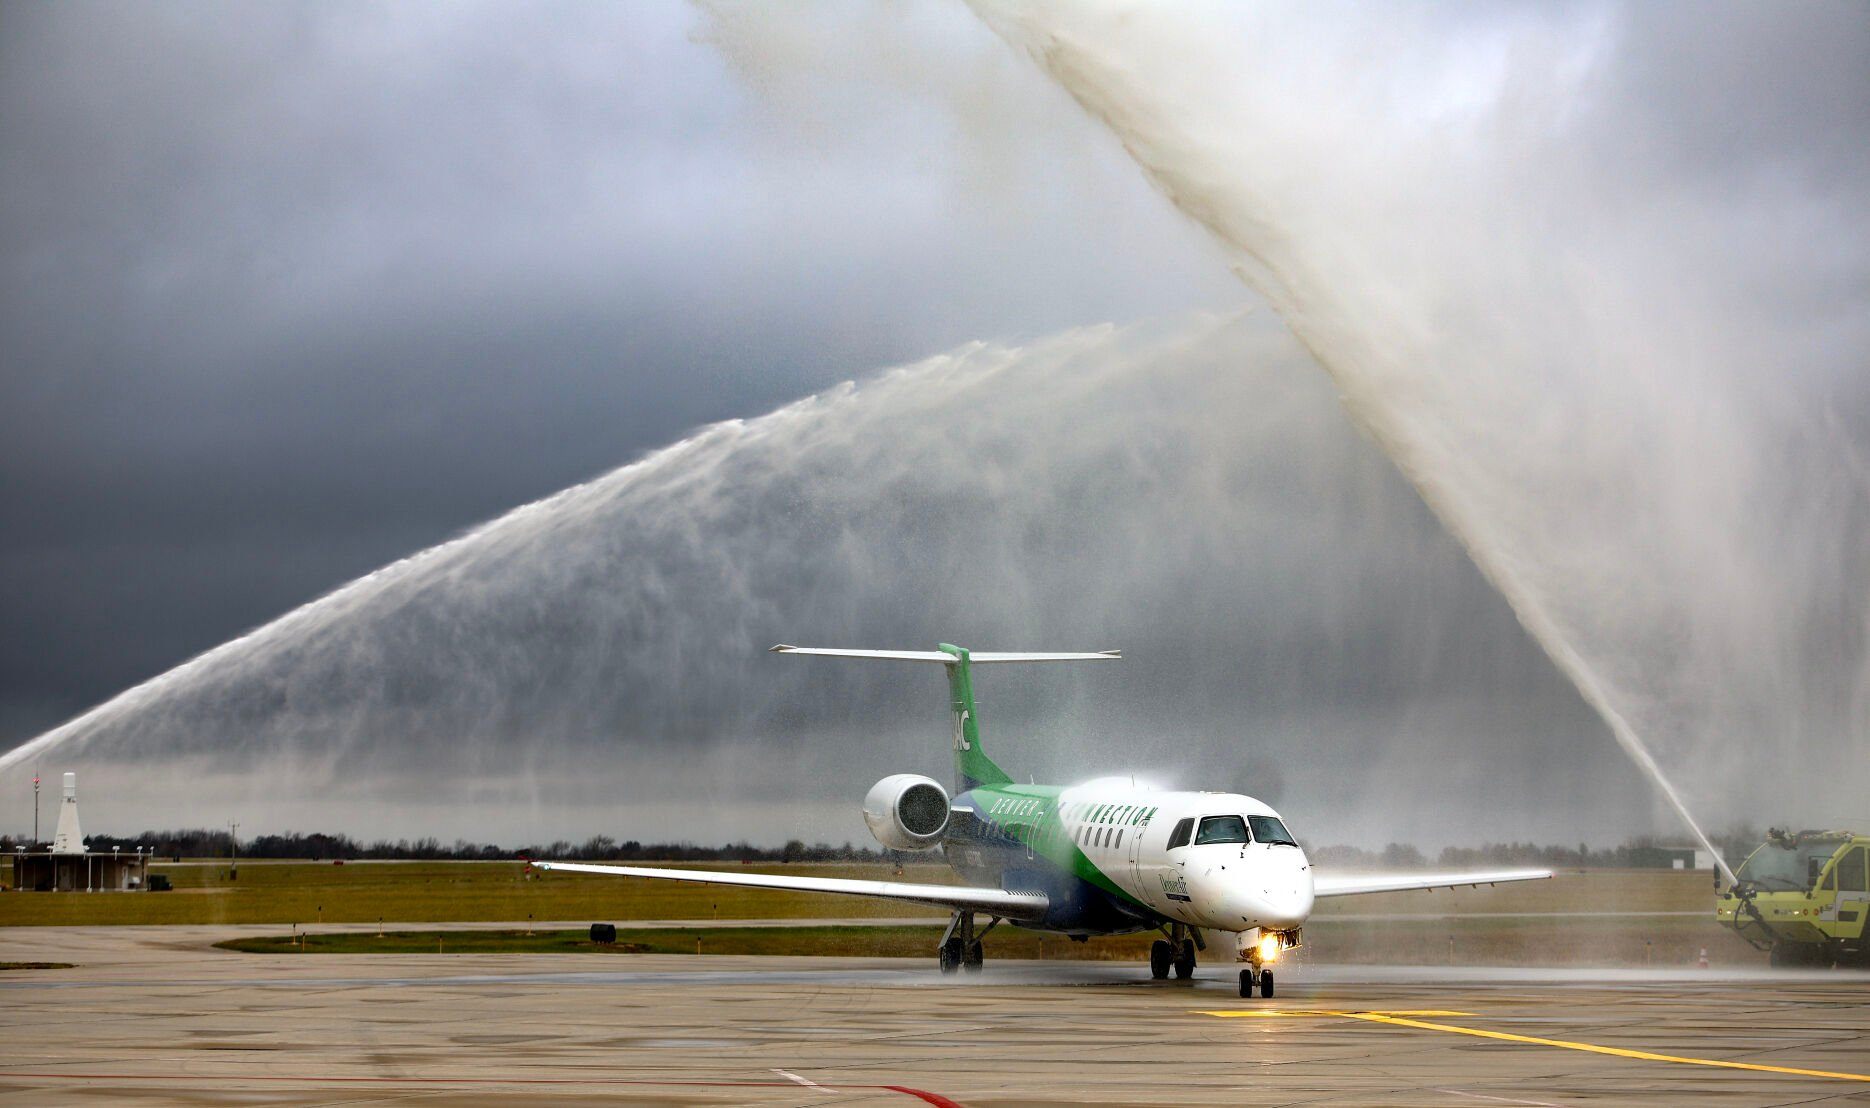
<point>1404,1019</point>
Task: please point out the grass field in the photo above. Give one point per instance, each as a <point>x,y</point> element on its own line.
<point>1489,940</point>
<point>1502,925</point>
<point>437,892</point>
<point>442,892</point>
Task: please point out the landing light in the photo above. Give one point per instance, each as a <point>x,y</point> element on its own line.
<point>1269,949</point>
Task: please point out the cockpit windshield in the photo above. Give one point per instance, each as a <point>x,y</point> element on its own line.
<point>1269,830</point>
<point>1221,829</point>
<point>1787,868</point>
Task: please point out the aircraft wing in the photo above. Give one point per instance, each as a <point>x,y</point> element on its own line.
<point>998,902</point>
<point>1396,883</point>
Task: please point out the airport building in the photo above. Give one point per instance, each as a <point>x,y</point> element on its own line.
<point>68,867</point>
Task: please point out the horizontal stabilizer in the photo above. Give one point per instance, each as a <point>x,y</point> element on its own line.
<point>976,657</point>
<point>1399,883</point>
<point>998,902</point>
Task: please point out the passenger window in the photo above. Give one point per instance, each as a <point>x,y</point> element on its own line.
<point>1221,829</point>
<point>1851,875</point>
<point>1179,836</point>
<point>1119,838</point>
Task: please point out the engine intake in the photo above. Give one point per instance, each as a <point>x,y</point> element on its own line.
<point>907,811</point>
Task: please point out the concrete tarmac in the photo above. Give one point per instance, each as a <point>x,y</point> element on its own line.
<point>155,1015</point>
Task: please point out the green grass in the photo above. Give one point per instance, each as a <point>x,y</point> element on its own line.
<point>848,942</point>
<point>447,892</point>
<point>309,894</point>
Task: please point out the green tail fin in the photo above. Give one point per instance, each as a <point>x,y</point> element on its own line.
<point>972,767</point>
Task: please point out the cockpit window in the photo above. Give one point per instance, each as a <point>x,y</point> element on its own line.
<point>1268,830</point>
<point>1221,829</point>
<point>1179,836</point>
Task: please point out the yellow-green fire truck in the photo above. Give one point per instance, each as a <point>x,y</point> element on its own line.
<point>1804,897</point>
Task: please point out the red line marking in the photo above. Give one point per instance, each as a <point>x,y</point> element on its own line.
<point>936,1099</point>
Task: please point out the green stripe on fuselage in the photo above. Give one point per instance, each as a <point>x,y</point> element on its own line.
<point>1030,814</point>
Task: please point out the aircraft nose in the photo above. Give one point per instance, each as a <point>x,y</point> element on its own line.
<point>1279,898</point>
<point>1285,906</point>
<point>1274,892</point>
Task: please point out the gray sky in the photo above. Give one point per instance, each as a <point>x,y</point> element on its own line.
<point>292,292</point>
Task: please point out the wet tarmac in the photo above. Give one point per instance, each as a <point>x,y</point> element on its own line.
<point>155,1015</point>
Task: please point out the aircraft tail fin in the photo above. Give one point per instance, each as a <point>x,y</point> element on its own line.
<point>972,766</point>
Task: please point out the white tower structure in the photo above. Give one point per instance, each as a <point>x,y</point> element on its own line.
<point>70,838</point>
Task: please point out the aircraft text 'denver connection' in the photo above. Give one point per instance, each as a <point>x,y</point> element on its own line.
<point>1103,858</point>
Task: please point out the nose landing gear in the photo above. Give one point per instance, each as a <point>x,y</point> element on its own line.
<point>1252,977</point>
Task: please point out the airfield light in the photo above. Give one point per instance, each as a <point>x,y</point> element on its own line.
<point>1269,949</point>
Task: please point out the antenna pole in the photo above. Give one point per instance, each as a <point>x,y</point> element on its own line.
<point>233,850</point>
<point>35,810</point>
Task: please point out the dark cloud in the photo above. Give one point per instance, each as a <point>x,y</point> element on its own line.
<point>289,293</point>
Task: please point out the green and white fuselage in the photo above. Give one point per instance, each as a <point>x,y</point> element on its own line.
<point>1107,857</point>
<point>1104,857</point>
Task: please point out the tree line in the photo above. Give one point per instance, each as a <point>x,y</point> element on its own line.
<point>1639,853</point>
<point>319,846</point>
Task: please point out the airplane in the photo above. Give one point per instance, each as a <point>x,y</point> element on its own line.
<point>1103,858</point>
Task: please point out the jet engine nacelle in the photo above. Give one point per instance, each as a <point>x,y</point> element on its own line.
<point>907,811</point>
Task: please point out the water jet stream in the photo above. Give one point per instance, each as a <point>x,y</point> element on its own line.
<point>601,650</point>
<point>1183,153</point>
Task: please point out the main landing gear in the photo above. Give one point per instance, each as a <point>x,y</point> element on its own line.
<point>960,945</point>
<point>1177,952</point>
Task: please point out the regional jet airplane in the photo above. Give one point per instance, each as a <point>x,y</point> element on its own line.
<point>1103,858</point>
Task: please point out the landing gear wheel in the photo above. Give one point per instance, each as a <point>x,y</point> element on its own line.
<point>1266,984</point>
<point>1185,961</point>
<point>975,959</point>
<point>951,956</point>
<point>1246,982</point>
<point>1161,955</point>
